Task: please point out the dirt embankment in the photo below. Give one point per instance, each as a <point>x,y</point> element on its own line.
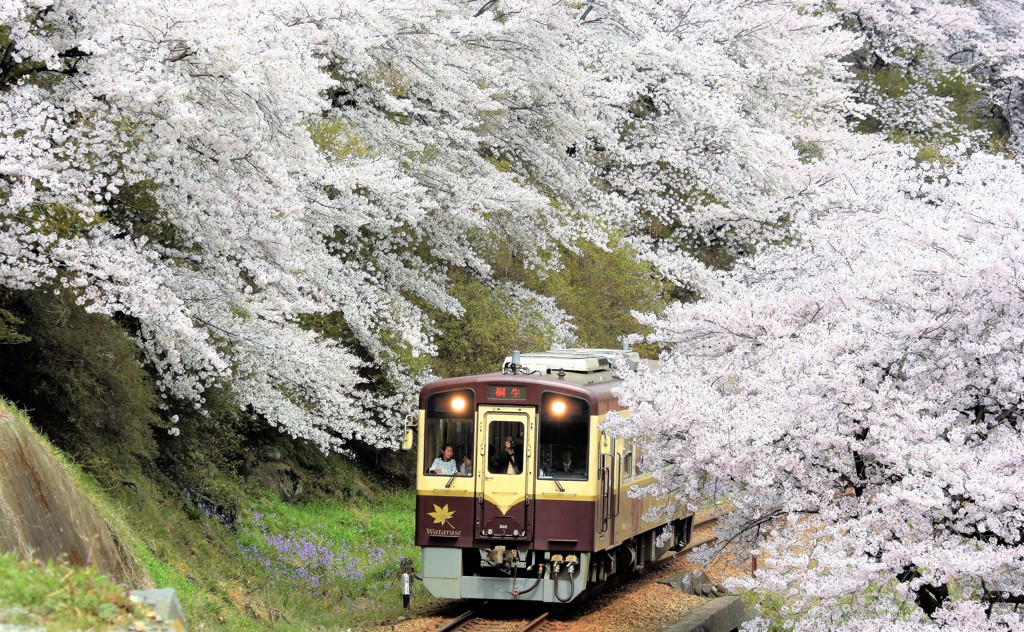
<point>43,515</point>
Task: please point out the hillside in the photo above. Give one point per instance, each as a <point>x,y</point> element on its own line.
<point>263,564</point>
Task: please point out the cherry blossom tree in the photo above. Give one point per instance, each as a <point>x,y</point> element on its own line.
<point>858,396</point>
<point>223,176</point>
<point>216,174</point>
<point>723,98</point>
<point>936,41</point>
<point>855,392</point>
<point>157,162</point>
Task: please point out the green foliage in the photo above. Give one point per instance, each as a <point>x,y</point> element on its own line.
<point>338,139</point>
<point>489,330</point>
<point>719,251</point>
<point>502,165</point>
<point>600,288</point>
<point>8,329</point>
<point>211,449</point>
<point>772,607</point>
<point>781,615</point>
<point>972,109</point>
<point>809,151</point>
<point>81,378</point>
<point>874,592</point>
<point>58,596</point>
<point>135,207</point>
<point>59,219</point>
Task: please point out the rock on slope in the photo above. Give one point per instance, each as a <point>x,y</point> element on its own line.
<point>44,515</point>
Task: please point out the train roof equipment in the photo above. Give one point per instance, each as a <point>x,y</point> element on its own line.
<point>571,360</point>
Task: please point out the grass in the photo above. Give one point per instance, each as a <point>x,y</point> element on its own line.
<point>280,566</point>
<point>57,596</point>
<point>267,571</point>
<point>303,556</point>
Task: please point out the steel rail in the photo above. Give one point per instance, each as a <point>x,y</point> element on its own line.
<point>472,619</point>
<point>458,621</point>
<point>536,624</point>
<point>706,522</point>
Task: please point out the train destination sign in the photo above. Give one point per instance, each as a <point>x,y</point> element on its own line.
<point>506,392</point>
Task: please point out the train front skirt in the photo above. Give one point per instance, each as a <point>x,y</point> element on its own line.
<point>443,577</point>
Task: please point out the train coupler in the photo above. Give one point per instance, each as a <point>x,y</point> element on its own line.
<point>501,557</point>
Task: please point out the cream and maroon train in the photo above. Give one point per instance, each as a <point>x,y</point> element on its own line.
<point>560,518</point>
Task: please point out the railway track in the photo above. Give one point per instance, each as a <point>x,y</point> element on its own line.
<point>475,621</point>
<point>670,560</point>
<point>706,523</point>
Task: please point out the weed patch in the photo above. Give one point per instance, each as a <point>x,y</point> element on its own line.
<point>59,596</point>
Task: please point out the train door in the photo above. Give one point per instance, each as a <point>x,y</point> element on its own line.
<point>505,452</point>
<point>607,488</point>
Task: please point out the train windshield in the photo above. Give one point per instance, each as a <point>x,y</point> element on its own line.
<point>505,451</point>
<point>564,437</point>
<point>448,434</point>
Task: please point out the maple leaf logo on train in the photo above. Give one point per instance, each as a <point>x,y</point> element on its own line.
<point>441,516</point>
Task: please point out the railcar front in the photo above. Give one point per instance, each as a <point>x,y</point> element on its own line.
<point>503,523</point>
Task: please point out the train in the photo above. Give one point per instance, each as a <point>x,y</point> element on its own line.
<point>520,493</point>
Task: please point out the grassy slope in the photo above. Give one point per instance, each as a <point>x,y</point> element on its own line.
<point>306,566</point>
<point>57,596</point>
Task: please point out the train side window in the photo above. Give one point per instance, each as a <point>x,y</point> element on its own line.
<point>449,422</point>
<point>564,439</point>
<point>627,460</point>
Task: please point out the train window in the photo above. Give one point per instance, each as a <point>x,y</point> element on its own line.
<point>627,460</point>
<point>505,447</point>
<point>564,439</point>
<point>448,434</point>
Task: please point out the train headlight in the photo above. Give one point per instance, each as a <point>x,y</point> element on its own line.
<point>563,409</point>
<point>451,405</point>
<point>458,403</point>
